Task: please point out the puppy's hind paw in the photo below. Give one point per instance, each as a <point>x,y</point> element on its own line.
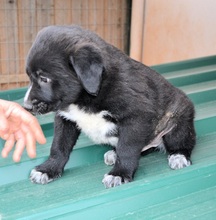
<point>110,157</point>
<point>39,177</point>
<point>113,181</point>
<point>178,161</point>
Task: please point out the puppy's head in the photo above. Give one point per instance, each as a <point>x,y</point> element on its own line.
<point>60,65</point>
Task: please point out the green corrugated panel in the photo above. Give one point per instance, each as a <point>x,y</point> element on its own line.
<point>157,192</point>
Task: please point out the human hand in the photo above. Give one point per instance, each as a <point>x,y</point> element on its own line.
<point>20,127</point>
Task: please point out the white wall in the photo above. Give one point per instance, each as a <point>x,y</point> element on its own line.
<point>176,30</point>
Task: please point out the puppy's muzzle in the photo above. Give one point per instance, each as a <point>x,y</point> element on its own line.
<point>36,107</point>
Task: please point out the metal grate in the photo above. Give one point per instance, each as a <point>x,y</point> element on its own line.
<point>20,20</point>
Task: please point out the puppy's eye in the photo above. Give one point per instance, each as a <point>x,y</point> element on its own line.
<point>44,79</point>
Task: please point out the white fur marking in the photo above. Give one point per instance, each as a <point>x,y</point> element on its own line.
<point>93,125</point>
<point>39,177</point>
<point>178,161</point>
<point>113,181</point>
<point>110,157</point>
<point>26,104</point>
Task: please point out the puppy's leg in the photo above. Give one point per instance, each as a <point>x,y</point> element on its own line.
<point>179,144</point>
<point>128,154</point>
<point>124,168</point>
<point>65,137</point>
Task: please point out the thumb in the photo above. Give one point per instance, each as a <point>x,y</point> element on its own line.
<point>4,125</point>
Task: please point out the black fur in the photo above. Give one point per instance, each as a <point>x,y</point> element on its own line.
<point>67,64</point>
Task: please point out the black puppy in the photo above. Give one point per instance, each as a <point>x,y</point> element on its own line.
<point>95,88</point>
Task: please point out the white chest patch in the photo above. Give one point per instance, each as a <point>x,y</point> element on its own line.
<point>93,125</point>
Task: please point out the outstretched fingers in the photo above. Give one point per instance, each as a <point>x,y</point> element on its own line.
<point>8,145</point>
<point>32,128</point>
<point>20,145</point>
<point>30,141</point>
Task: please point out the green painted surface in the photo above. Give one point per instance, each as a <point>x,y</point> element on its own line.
<point>157,192</point>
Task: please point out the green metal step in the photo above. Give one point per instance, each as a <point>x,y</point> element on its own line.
<point>201,92</point>
<point>192,76</point>
<point>78,194</point>
<point>203,62</point>
<point>157,192</point>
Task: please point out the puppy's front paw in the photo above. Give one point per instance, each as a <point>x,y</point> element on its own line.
<point>178,161</point>
<point>40,177</point>
<point>113,181</point>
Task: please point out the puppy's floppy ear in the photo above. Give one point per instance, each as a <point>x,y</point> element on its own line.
<point>88,65</point>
